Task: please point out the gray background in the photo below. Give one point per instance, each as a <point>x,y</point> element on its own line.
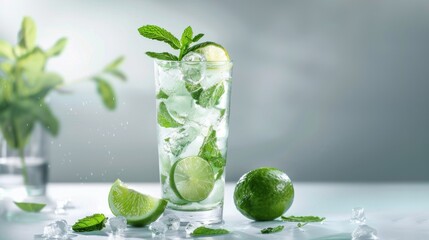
<point>325,90</point>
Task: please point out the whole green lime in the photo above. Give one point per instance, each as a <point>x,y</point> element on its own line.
<point>263,194</point>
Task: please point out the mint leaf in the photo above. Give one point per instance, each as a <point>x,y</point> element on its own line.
<point>165,119</point>
<point>204,231</point>
<point>194,89</point>
<point>210,152</point>
<point>57,48</point>
<point>197,46</point>
<point>106,92</point>
<point>301,224</point>
<point>33,61</point>
<point>161,95</point>
<point>160,34</point>
<point>6,50</point>
<point>118,74</point>
<point>95,222</point>
<point>162,56</point>
<point>114,64</point>
<point>186,37</point>
<point>197,37</point>
<point>210,97</point>
<point>302,219</point>
<point>30,207</point>
<point>272,229</point>
<point>41,112</point>
<point>27,34</point>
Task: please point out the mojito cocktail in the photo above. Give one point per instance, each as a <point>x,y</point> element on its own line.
<point>192,116</point>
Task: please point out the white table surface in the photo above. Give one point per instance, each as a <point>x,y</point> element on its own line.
<point>396,210</point>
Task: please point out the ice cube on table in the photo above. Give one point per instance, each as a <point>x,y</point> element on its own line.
<point>57,230</point>
<point>171,221</point>
<point>358,215</point>
<point>364,232</point>
<point>158,229</point>
<point>62,205</point>
<point>118,224</point>
<point>190,227</point>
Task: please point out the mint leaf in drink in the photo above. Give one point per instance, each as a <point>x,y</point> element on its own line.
<point>210,97</point>
<point>95,222</point>
<point>30,207</point>
<point>162,56</point>
<point>27,34</point>
<point>165,119</point>
<point>210,152</point>
<point>272,229</point>
<point>302,219</point>
<point>204,231</point>
<point>160,34</point>
<point>161,95</point>
<point>197,37</point>
<point>57,48</point>
<point>194,89</point>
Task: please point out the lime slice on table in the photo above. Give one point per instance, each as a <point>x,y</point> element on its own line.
<point>192,179</point>
<point>213,52</point>
<point>139,209</point>
<point>30,207</point>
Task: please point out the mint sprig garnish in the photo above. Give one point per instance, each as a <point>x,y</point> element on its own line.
<point>272,229</point>
<point>184,45</point>
<point>204,231</point>
<point>95,222</point>
<point>302,219</point>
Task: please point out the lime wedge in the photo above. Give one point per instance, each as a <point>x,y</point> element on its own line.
<point>192,179</point>
<point>30,207</point>
<point>139,209</point>
<point>214,52</point>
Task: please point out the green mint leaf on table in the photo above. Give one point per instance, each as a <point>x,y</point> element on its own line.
<point>160,34</point>
<point>197,37</point>
<point>204,231</point>
<point>27,34</point>
<point>161,95</point>
<point>95,222</point>
<point>302,219</point>
<point>165,119</point>
<point>162,56</point>
<point>272,229</point>
<point>194,89</point>
<point>6,50</point>
<point>106,92</point>
<point>210,97</point>
<point>57,48</point>
<point>30,207</point>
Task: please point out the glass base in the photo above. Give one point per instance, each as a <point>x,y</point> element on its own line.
<point>213,216</point>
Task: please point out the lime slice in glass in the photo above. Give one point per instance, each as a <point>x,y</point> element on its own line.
<point>214,52</point>
<point>192,179</point>
<point>139,209</point>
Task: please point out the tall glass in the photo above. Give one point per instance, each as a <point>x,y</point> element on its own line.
<point>192,117</point>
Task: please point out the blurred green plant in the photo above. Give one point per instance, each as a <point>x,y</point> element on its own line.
<point>25,83</point>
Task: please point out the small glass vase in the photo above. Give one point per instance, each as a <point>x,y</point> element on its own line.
<point>31,171</point>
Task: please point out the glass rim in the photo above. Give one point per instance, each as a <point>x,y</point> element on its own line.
<point>210,62</point>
